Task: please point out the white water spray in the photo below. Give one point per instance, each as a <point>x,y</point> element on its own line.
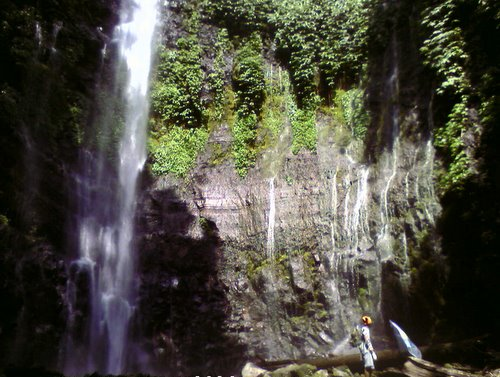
<point>38,34</point>
<point>270,244</point>
<point>108,206</point>
<point>359,219</point>
<point>333,210</point>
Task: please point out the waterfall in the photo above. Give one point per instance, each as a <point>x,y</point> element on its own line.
<point>101,285</point>
<point>270,244</point>
<point>359,219</point>
<point>393,90</point>
<point>333,207</point>
<point>55,32</point>
<point>38,35</point>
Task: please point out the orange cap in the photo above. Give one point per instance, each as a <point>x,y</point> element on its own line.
<point>366,320</point>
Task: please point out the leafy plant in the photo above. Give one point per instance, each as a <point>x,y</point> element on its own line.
<point>354,113</point>
<point>240,17</point>
<point>304,130</point>
<point>248,75</point>
<point>343,40</point>
<point>176,93</point>
<point>175,152</point>
<point>216,79</point>
<point>248,80</point>
<point>179,131</point>
<point>244,136</point>
<point>295,24</point>
<point>445,52</point>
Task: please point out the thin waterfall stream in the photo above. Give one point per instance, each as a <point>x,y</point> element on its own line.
<point>270,242</point>
<point>105,224</point>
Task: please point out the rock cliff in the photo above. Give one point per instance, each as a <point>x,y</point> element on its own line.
<point>297,250</point>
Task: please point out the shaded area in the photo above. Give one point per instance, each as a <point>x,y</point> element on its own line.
<point>183,303</point>
<point>50,56</point>
<point>397,82</point>
<point>470,221</point>
<point>51,52</point>
<point>32,318</point>
<point>454,293</point>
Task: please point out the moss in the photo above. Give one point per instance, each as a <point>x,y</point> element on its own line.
<point>4,220</point>
<point>273,118</point>
<point>218,155</point>
<point>363,298</point>
<point>203,222</point>
<point>302,370</point>
<point>342,137</point>
<point>350,115</point>
<point>254,267</point>
<point>304,130</point>
<point>299,321</point>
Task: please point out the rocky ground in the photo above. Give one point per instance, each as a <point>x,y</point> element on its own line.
<point>391,363</point>
<point>411,368</point>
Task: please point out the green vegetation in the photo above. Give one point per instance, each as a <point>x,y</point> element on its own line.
<point>350,112</point>
<point>321,44</point>
<point>363,298</point>
<point>297,41</point>
<point>4,220</point>
<point>248,75</point>
<point>343,35</point>
<point>240,17</point>
<point>304,130</point>
<point>326,38</point>
<point>446,52</point>
<point>47,89</point>
<point>244,136</point>
<point>178,125</point>
<point>175,95</point>
<point>176,151</point>
<point>355,114</point>
<point>216,79</point>
<point>248,80</point>
<point>274,110</point>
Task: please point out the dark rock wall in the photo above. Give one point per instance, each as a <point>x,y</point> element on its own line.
<point>51,61</point>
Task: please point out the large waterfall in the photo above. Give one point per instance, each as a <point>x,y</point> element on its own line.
<point>102,288</point>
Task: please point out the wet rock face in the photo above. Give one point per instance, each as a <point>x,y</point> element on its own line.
<point>299,255</point>
<point>305,243</point>
<point>183,302</point>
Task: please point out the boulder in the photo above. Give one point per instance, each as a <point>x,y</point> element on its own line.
<point>252,370</point>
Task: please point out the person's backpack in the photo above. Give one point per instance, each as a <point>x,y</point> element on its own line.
<point>356,336</point>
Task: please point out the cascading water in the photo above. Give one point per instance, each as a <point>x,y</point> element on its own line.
<point>101,288</point>
<point>361,246</point>
<point>270,241</point>
<point>393,90</point>
<point>358,222</point>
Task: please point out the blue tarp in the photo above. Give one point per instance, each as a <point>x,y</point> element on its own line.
<point>404,343</point>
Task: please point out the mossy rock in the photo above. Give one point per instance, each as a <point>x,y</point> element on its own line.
<point>294,370</point>
<point>321,373</point>
<point>342,371</point>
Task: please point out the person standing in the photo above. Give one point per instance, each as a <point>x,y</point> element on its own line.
<point>366,350</point>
